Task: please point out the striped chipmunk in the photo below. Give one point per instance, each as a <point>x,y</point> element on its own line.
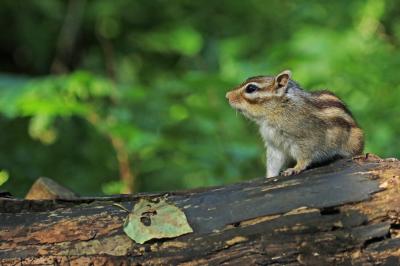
<point>299,128</point>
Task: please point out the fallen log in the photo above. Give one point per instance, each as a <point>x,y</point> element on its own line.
<point>344,213</point>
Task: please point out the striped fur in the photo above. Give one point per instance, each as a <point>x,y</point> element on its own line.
<point>297,126</point>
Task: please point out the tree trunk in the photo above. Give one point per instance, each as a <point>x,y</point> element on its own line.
<point>344,213</point>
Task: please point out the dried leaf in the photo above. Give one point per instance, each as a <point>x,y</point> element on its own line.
<point>154,220</point>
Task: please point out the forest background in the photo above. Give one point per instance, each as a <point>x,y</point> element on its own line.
<point>124,96</point>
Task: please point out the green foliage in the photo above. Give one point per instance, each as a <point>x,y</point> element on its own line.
<point>3,177</point>
<point>152,75</point>
<point>112,187</point>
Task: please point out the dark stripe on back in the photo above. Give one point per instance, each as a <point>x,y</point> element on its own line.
<point>341,122</point>
<point>323,104</point>
<point>319,103</point>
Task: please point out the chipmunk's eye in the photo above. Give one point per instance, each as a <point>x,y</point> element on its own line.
<point>251,88</point>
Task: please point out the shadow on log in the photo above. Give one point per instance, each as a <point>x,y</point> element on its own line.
<point>347,212</point>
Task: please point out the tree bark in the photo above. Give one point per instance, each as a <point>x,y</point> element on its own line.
<point>344,213</point>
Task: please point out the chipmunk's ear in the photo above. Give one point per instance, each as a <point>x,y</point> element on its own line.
<point>282,79</point>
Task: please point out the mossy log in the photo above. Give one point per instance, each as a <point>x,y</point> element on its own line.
<point>344,213</point>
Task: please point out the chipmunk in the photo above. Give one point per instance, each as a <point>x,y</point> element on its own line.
<point>298,127</point>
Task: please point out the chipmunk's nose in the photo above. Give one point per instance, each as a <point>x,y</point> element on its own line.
<point>227,95</point>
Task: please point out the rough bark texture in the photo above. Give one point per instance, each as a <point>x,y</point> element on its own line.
<point>344,213</point>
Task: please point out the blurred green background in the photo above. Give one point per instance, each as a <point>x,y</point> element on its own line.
<point>116,96</point>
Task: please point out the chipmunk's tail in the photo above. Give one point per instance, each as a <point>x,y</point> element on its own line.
<point>356,141</point>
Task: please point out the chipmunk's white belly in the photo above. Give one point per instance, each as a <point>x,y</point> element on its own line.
<point>276,137</point>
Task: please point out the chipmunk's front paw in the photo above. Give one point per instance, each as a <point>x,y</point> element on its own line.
<point>300,167</point>
<point>290,171</point>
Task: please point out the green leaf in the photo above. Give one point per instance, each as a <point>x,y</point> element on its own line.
<point>3,177</point>
<point>178,112</point>
<point>112,187</point>
<point>41,128</point>
<point>154,220</point>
